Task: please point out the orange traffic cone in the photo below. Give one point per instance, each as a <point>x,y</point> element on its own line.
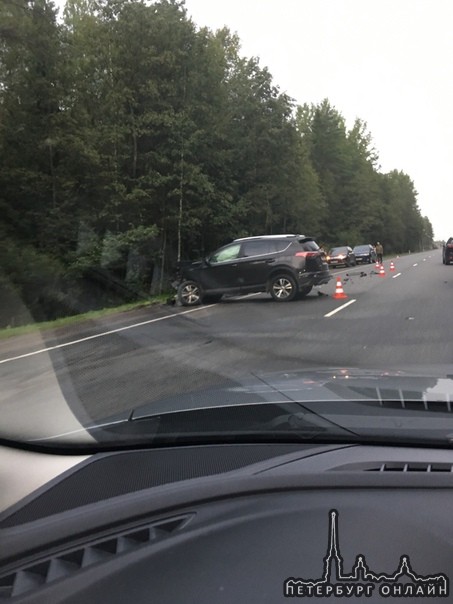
<point>339,293</point>
<point>377,266</point>
<point>392,267</point>
<point>382,271</point>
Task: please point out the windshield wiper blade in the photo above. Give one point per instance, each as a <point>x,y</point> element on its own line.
<point>267,420</point>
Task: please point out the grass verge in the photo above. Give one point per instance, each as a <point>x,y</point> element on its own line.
<point>9,332</point>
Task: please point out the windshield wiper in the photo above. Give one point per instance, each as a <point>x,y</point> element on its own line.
<point>268,421</point>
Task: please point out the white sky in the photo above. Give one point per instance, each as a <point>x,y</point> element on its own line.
<point>389,62</point>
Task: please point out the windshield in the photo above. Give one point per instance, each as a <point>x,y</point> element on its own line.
<point>173,174</point>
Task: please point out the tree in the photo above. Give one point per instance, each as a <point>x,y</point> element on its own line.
<point>132,139</point>
<point>30,60</point>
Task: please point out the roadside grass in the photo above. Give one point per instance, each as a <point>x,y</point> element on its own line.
<point>9,332</point>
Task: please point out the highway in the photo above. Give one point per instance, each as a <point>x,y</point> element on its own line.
<point>103,367</point>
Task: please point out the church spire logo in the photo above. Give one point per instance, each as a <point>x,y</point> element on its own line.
<point>362,582</point>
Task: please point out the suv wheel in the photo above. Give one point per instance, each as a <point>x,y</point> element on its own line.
<point>189,293</point>
<point>283,288</point>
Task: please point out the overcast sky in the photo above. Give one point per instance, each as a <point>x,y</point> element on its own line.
<point>389,62</point>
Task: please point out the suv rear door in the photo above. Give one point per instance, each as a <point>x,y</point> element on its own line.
<point>257,259</point>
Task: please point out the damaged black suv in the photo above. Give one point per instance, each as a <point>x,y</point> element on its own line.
<point>285,266</point>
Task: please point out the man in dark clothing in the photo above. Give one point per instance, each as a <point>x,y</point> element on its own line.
<point>379,252</point>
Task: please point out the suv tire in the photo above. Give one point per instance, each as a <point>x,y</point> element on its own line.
<point>189,293</point>
<point>283,287</point>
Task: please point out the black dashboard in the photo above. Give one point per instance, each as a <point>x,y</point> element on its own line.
<point>235,523</point>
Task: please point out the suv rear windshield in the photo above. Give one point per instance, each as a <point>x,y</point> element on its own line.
<point>309,246</point>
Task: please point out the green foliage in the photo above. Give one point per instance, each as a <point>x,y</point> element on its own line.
<point>131,139</point>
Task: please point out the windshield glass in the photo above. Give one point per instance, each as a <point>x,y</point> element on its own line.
<point>173,174</point>
<point>227,253</point>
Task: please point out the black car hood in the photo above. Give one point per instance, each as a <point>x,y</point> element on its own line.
<point>195,264</point>
<point>355,401</point>
<point>332,402</point>
<point>315,385</point>
<point>189,266</point>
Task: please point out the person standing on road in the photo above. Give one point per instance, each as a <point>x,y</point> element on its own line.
<point>379,251</point>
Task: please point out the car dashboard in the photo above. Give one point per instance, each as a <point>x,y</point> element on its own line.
<point>233,523</point>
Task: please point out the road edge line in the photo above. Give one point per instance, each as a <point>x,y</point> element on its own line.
<point>104,333</point>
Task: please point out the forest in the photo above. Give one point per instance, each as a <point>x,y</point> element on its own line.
<point>132,139</point>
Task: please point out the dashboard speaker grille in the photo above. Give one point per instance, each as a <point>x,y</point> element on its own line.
<point>121,473</point>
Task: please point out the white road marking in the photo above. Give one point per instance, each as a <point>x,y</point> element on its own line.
<point>84,429</point>
<point>395,276</point>
<point>333,312</point>
<point>242,297</point>
<point>416,264</point>
<point>104,333</point>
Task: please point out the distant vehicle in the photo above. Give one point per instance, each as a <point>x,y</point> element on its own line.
<point>365,253</point>
<point>286,266</point>
<point>447,251</point>
<point>341,256</point>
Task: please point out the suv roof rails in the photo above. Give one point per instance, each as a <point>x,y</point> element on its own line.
<point>283,235</point>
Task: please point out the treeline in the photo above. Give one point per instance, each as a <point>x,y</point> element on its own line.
<point>130,139</point>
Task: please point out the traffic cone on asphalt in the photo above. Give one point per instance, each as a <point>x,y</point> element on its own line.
<point>392,267</point>
<point>381,271</point>
<point>339,292</point>
<point>377,266</point>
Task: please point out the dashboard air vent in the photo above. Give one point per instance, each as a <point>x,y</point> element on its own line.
<point>412,467</point>
<point>29,578</point>
<point>395,466</point>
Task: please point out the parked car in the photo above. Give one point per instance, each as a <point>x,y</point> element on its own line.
<point>365,253</point>
<point>341,256</point>
<point>447,251</point>
<point>285,266</point>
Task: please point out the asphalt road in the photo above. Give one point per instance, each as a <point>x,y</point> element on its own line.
<point>117,363</point>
